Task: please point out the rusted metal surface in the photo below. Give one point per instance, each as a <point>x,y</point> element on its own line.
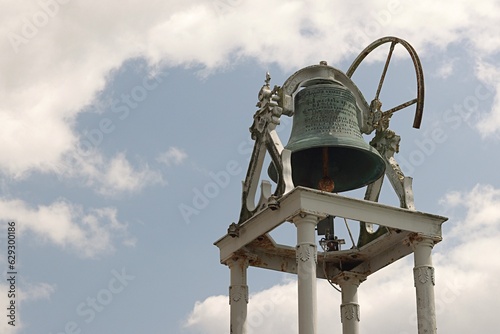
<point>264,249</point>
<point>419,100</point>
<point>264,252</point>
<point>309,201</point>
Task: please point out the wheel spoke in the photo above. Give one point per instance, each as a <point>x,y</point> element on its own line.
<point>419,101</point>
<point>386,66</point>
<point>399,107</point>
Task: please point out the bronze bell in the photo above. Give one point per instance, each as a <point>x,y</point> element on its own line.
<point>328,150</point>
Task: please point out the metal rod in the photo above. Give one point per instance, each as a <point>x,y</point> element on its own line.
<point>401,106</point>
<point>326,183</point>
<point>325,161</point>
<point>384,72</point>
<point>350,234</point>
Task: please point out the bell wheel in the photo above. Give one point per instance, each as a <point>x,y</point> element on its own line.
<point>418,100</point>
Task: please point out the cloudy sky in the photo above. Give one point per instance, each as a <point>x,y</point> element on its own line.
<point>116,115</point>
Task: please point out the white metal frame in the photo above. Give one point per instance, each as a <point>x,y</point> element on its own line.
<point>409,231</point>
<point>248,242</point>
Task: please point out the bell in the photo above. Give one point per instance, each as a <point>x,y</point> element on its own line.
<point>328,150</point>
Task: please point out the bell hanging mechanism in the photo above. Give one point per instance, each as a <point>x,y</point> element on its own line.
<point>326,149</point>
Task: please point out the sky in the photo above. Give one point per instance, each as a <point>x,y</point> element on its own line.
<point>124,141</point>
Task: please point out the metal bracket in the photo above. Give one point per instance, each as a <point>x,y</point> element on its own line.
<point>387,143</point>
<point>263,131</point>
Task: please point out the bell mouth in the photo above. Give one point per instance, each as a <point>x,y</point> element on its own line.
<point>349,167</point>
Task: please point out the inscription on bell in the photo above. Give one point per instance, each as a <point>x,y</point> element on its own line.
<point>327,110</point>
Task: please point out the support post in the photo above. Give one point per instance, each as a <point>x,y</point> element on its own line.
<point>238,295</point>
<point>349,309</point>
<point>306,257</point>
<point>423,274</point>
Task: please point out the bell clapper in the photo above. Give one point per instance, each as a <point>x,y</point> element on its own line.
<point>326,183</point>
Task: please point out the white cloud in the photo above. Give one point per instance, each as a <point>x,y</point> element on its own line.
<point>66,50</point>
<point>172,156</point>
<point>446,69</point>
<point>89,234</point>
<point>57,57</point>
<point>119,176</point>
<point>35,291</point>
<point>109,177</point>
<point>270,311</point>
<point>467,286</point>
<point>489,124</point>
<point>211,315</point>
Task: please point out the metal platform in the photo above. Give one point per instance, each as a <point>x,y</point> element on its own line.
<point>254,242</point>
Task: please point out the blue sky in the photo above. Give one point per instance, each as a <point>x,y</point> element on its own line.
<point>124,131</point>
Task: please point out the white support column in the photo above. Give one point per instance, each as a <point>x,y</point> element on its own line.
<point>349,309</point>
<point>238,295</point>
<point>306,256</point>
<point>423,274</point>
